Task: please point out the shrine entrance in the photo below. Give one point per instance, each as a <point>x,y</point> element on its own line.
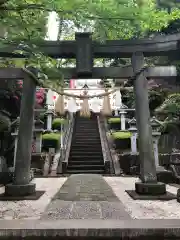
<point>85,50</point>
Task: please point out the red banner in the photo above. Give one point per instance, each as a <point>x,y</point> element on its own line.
<point>72,84</point>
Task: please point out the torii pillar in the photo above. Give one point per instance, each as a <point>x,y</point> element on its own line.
<point>148,184</point>
<point>21,185</point>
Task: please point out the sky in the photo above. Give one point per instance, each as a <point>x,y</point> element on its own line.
<point>52,27</point>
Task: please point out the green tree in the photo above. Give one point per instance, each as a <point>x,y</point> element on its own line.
<point>25,22</point>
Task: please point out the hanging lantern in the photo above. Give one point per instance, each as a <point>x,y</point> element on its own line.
<point>106,109</point>
<point>85,111</point>
<point>59,105</point>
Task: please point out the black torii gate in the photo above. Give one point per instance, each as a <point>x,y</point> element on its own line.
<point>85,50</point>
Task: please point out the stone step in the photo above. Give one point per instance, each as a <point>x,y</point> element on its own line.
<point>88,162</point>
<point>84,142</point>
<point>86,153</point>
<point>75,162</point>
<point>80,140</point>
<point>83,130</point>
<point>86,136</point>
<point>85,148</point>
<point>89,157</point>
<point>80,171</point>
<point>86,123</point>
<point>86,167</point>
<point>89,131</point>
<point>86,120</point>
<point>86,126</point>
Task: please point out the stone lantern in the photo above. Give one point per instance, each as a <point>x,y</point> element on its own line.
<point>123,119</point>
<point>133,130</point>
<point>155,124</point>
<point>49,113</point>
<point>37,133</point>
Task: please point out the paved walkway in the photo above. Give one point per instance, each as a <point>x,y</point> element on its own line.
<point>88,205</point>
<point>85,197</point>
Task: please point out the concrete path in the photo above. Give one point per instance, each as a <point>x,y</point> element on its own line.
<point>85,197</point>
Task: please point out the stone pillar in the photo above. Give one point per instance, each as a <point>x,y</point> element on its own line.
<point>133,130</point>
<point>156,136</point>
<point>116,113</point>
<point>155,124</point>
<point>148,176</point>
<point>21,185</point>
<point>15,134</point>
<point>38,133</point>
<point>49,114</point>
<point>62,134</point>
<point>123,120</point>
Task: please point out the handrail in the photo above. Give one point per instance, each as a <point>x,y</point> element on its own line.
<point>66,141</point>
<point>105,148</point>
<point>114,163</point>
<point>115,158</point>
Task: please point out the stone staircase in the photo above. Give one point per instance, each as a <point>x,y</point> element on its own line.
<point>86,153</point>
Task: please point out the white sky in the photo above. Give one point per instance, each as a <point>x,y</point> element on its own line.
<point>52,27</point>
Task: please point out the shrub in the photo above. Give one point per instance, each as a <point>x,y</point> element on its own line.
<point>56,124</point>
<point>114,123</point>
<point>51,140</point>
<point>122,140</point>
<point>121,135</point>
<point>114,120</point>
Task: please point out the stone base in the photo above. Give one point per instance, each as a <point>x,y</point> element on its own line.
<point>150,188</point>
<point>164,197</point>
<point>20,190</point>
<point>6,177</point>
<point>34,196</point>
<point>150,191</point>
<point>164,175</point>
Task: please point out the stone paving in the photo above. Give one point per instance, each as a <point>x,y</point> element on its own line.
<point>85,197</point>
<point>84,202</point>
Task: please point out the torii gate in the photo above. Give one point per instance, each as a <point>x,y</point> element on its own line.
<point>85,50</point>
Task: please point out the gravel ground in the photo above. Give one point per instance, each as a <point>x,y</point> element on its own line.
<point>136,208</point>
<point>139,209</point>
<point>31,209</point>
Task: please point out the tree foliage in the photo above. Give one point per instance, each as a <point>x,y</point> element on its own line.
<point>109,19</point>
<point>171,105</point>
<point>25,22</point>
